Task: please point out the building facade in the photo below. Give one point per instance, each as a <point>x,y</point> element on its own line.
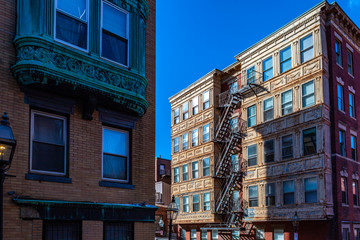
<point>78,83</point>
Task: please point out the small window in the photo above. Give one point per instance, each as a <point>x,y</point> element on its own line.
<point>195,170</point>
<point>310,190</point>
<point>233,87</point>
<point>203,235</point>
<point>162,169</point>
<point>286,102</point>
<point>306,48</point>
<point>115,155</point>
<point>193,234</point>
<point>72,23</point>
<point>236,201</point>
<point>206,133</point>
<point>115,34</point>
<point>270,194</point>
<point>195,105</point>
<point>287,146</point>
<point>260,234</point>
<point>118,230</point>
<point>207,201</point>
<point>176,116</point>
<point>252,155</point>
<point>196,203</point>
<point>338,52</point>
<point>340,93</point>
<point>186,204</point>
<point>345,234</point>
<point>206,167</point>
<point>269,151</point>
<point>350,62</point>
<point>185,111</point>
<point>267,69</point>
<point>206,100</point>
<point>342,143</point>
<point>183,234</point>
<point>344,191</point>
<point>308,97</point>
<point>176,174</point>
<point>352,105</point>
<point>279,234</point>
<point>59,230</point>
<point>251,111</point>
<point>355,190</point>
<point>353,147</point>
<point>289,195</point>
<point>185,141</point>
<point>253,196</point>
<point>285,59</point>
<point>234,126</point>
<point>250,72</point>
<point>195,137</point>
<point>214,235</point>
<point>185,169</point>
<point>309,141</point>
<point>235,164</point>
<point>176,144</point>
<point>268,109</point>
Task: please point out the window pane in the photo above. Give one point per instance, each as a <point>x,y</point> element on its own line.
<point>195,101</point>
<point>48,157</point>
<point>308,94</point>
<point>251,74</point>
<point>185,107</point>
<point>269,150</point>
<point>267,68</point>
<point>71,30</point>
<point>206,96</point>
<point>114,48</point>
<point>309,141</point>
<point>288,186</point>
<point>253,191</point>
<point>252,155</point>
<point>48,129</point>
<point>306,42</point>
<point>285,54</point>
<point>118,230</point>
<point>77,8</point>
<point>287,149</point>
<point>114,167</point>
<point>115,142</point>
<point>114,21</point>
<point>62,230</point>
<point>278,234</point>
<point>286,102</point>
<point>252,116</point>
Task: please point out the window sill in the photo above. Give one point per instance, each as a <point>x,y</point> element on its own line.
<point>116,185</point>
<point>351,75</point>
<point>47,178</point>
<point>340,66</point>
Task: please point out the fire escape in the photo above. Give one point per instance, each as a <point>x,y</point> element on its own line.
<point>230,167</point>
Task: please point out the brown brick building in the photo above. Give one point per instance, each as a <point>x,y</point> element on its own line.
<point>74,79</point>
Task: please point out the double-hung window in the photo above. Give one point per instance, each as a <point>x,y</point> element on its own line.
<point>176,174</point>
<point>309,141</point>
<point>185,110</point>
<point>206,100</point>
<point>250,74</point>
<point>252,155</point>
<point>48,144</point>
<point>206,167</point>
<point>308,97</point>
<point>338,52</point>
<point>206,133</point>
<point>176,116</point>
<point>289,192</point>
<point>214,235</point>
<point>286,102</point>
<point>268,69</point>
<point>234,127</point>
<point>352,105</point>
<point>344,191</point>
<point>279,234</point>
<point>185,141</point>
<point>233,87</point>
<point>115,34</point>
<point>345,233</point>
<point>350,62</point>
<point>269,151</point>
<point>355,190</point>
<point>268,109</point>
<point>340,93</point>
<point>195,137</point>
<point>185,170</point>
<point>72,23</point>
<point>342,142</point>
<point>176,144</point>
<point>193,234</point>
<point>270,194</point>
<point>196,203</point>
<point>115,155</point>
<point>285,59</point>
<point>69,230</point>
<point>357,233</point>
<point>203,235</point>
<point>306,48</point>
<point>117,230</point>
<point>287,146</point>
<point>207,201</point>
<point>195,169</point>
<point>195,105</point>
<point>253,196</point>
<point>235,163</point>
<point>186,204</point>
<point>251,112</point>
<point>353,147</point>
<point>310,190</point>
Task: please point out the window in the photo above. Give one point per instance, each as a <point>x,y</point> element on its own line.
<point>279,234</point>
<point>355,190</point>
<point>342,143</point>
<point>206,167</point>
<point>183,234</point>
<point>267,69</point>
<point>353,147</point>
<point>185,169</point>
<point>177,201</point>
<point>287,146</point>
<point>195,105</point>
<point>186,204</point>
<point>268,109</point>
<point>308,98</point>
<point>235,163</point>
<point>285,59</point>
<point>310,190</point>
<point>288,188</point>
<point>203,235</point>
<point>340,93</point>
<point>345,234</point>
<point>270,194</point>
<point>206,100</point>
<point>185,111</point>
<point>195,137</point>
<point>233,87</point>
<point>234,124</point>
<point>251,111</point>
<point>115,34</point>
<point>193,234</point>
<point>207,201</point>
<point>196,203</point>
<point>176,144</point>
<point>185,141</point>
<point>118,230</point>
<point>344,198</point>
<point>59,230</point>
<point>350,62</point>
<point>309,141</point>
<point>253,196</point>
<point>356,233</point>
<point>214,235</point>
<point>176,174</point>
<point>48,144</point>
<point>162,169</point>
<point>338,52</point>
<point>286,102</point>
<point>252,155</point>
<point>176,116</point>
<point>352,105</point>
<point>235,234</point>
<point>206,133</point>
<point>71,23</point>
<point>260,234</point>
<point>306,48</point>
<point>269,151</point>
<point>195,169</point>
<point>250,72</point>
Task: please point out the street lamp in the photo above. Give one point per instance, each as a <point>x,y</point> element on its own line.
<point>295,222</point>
<point>172,212</point>
<point>7,149</point>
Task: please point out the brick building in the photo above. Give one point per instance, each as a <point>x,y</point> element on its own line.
<point>78,83</point>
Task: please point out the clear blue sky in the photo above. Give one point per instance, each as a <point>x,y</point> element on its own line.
<point>195,36</point>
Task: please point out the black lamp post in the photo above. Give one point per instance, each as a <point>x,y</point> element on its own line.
<point>7,149</point>
<point>295,222</point>
<point>172,212</point>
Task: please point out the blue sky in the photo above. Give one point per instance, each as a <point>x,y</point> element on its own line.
<point>195,36</point>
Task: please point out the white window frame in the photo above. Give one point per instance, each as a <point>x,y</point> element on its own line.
<point>285,103</point>
<point>248,117</point>
<point>187,141</point>
<point>196,143</point>
<point>176,147</point>
<point>185,114</point>
<point>186,204</point>
<point>195,106</point>
<point>198,202</point>
<point>309,94</point>
<point>206,135</point>
<point>193,170</point>
<point>176,117</point>
<point>285,60</point>
<point>187,172</point>
<point>304,50</point>
<point>269,109</point>
<point>268,69</point>
<point>176,176</point>
<point>208,101</point>
<point>207,204</point>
